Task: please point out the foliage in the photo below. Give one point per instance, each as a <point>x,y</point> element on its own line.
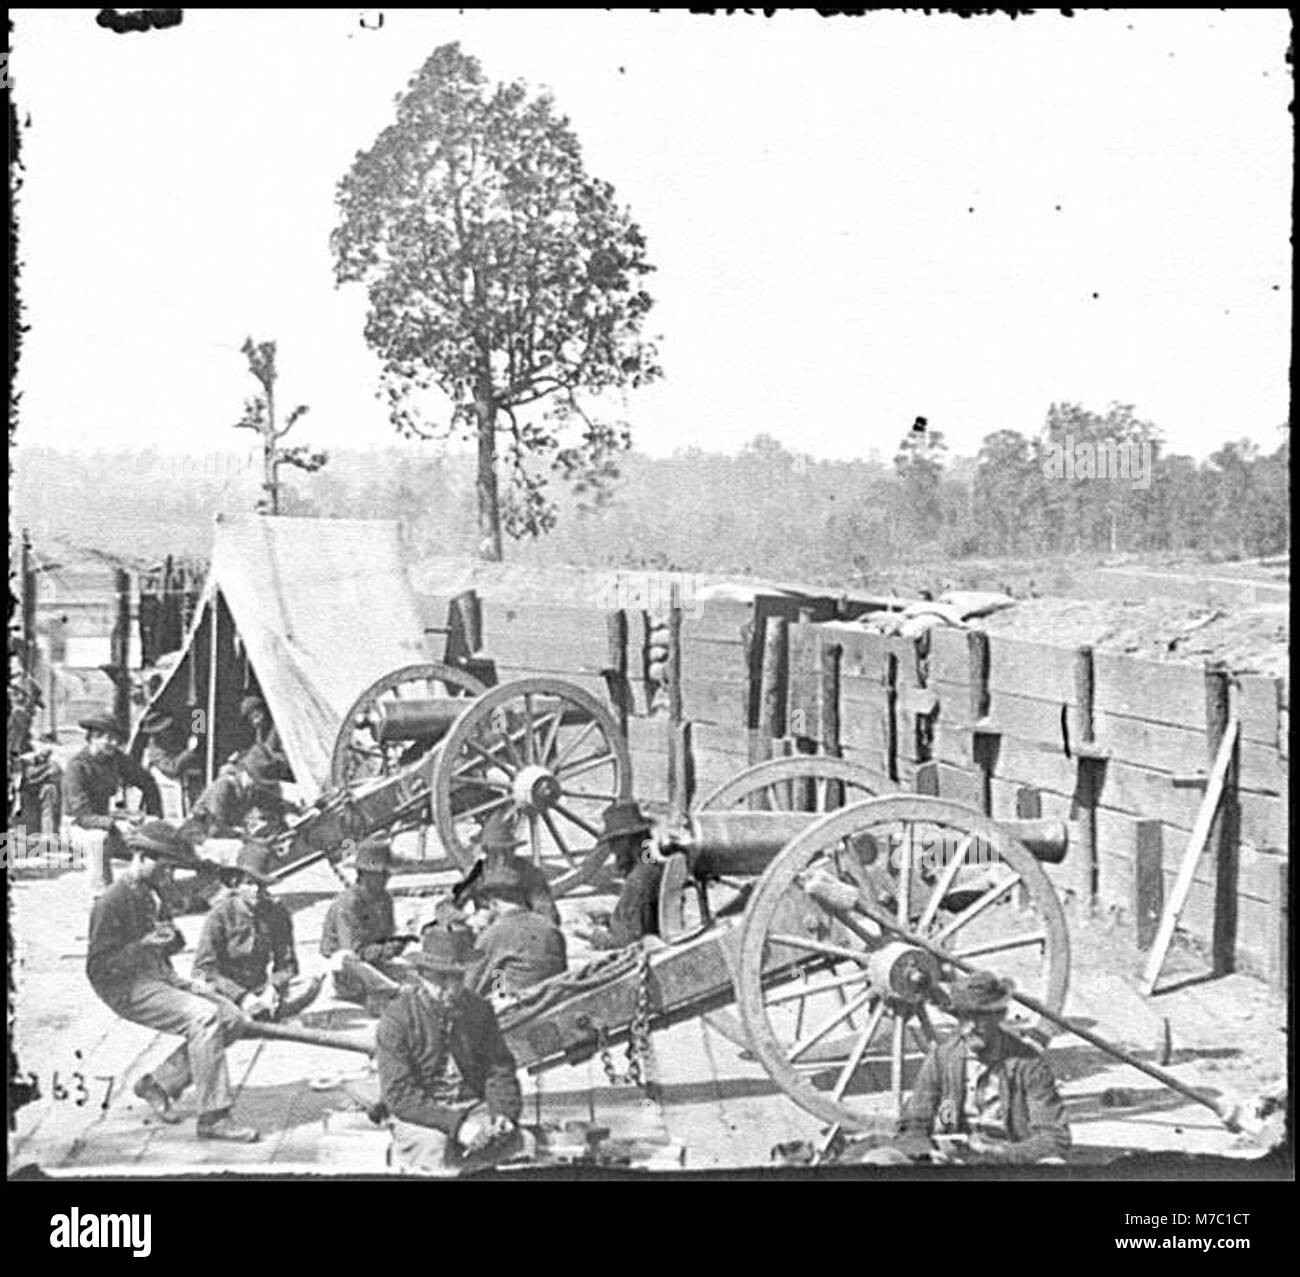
<point>502,275</point>
<point>259,416</point>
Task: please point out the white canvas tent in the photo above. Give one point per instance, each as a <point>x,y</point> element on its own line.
<point>305,612</point>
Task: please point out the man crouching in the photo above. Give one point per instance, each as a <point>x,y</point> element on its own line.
<point>446,1074</point>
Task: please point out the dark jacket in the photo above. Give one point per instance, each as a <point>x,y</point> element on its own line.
<point>175,759</point>
<point>516,952</point>
<point>637,912</point>
<point>221,809</point>
<point>122,917</point>
<point>90,785</point>
<point>239,941</point>
<point>1030,1105</point>
<point>535,886</point>
<point>358,922</point>
<point>411,1043</point>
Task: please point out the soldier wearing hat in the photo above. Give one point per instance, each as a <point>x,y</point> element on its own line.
<point>988,1095</point>
<point>172,754</point>
<point>92,780</point>
<point>518,948</point>
<point>128,962</point>
<point>446,1075</point>
<point>358,936</point>
<point>497,843</point>
<point>222,810</point>
<point>266,752</point>
<point>636,913</point>
<point>247,932</point>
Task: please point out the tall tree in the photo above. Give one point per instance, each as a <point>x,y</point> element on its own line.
<point>503,275</point>
<point>259,415</point>
<point>919,465</point>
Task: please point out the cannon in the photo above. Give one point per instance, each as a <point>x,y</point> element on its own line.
<point>430,745</point>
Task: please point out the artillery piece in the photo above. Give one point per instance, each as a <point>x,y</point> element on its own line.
<point>431,745</point>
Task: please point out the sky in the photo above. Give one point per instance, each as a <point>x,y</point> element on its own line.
<point>854,221</point>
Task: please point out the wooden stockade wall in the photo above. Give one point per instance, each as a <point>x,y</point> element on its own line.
<point>1115,745</point>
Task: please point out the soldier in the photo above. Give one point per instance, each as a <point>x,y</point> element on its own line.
<point>988,1096</point>
<point>358,935</point>
<point>265,753</point>
<point>636,913</point>
<point>128,963</point>
<point>518,948</point>
<point>248,931</point>
<point>92,779</point>
<point>446,1075</point>
<point>223,808</point>
<point>497,843</point>
<point>173,755</point>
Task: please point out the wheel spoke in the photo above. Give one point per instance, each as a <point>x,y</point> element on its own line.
<point>575,820</point>
<point>941,888</point>
<point>530,745</point>
<point>804,1044</point>
<point>1001,946</point>
<point>534,842</point>
<point>559,842</point>
<point>598,798</point>
<point>818,946</point>
<point>574,743</point>
<point>483,808</point>
<point>859,1050</point>
<point>487,757</point>
<point>583,765</point>
<point>993,893</point>
<point>789,995</point>
<point>552,734</point>
<point>904,892</point>
<point>896,1064</point>
<point>927,1029</point>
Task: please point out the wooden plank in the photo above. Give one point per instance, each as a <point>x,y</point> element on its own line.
<point>719,738</point>
<point>648,735</point>
<point>803,692</point>
<point>1036,670</point>
<point>1148,897</point>
<point>707,661</point>
<point>1259,700</point>
<point>717,701</point>
<point>866,656</point>
<point>1152,690</point>
<point>718,619</point>
<point>1276,935</point>
<point>949,656</point>
<point>1020,716</point>
<point>511,629</point>
<point>589,682</point>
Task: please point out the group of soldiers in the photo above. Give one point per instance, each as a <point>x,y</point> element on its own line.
<point>447,1077</point>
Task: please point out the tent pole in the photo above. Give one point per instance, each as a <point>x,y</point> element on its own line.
<point>213,632</point>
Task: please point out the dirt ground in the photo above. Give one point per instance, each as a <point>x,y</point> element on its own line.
<point>716,1108</point>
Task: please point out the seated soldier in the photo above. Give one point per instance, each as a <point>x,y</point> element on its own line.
<point>984,1095</point>
<point>358,935</point>
<point>496,842</point>
<point>128,963</point>
<point>246,932</point>
<point>636,913</point>
<point>266,754</point>
<point>222,809</point>
<point>446,1075</point>
<point>170,753</point>
<point>518,948</point>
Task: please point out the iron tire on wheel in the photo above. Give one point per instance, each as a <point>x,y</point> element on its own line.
<point>463,764</point>
<point>344,760</point>
<point>780,889</point>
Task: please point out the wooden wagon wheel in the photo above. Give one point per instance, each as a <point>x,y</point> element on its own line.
<point>830,1000</point>
<point>358,754</point>
<point>545,750</point>
<point>807,782</point>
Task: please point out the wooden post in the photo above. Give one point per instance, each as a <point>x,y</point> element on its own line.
<point>121,653</point>
<point>1148,881</point>
<point>891,714</point>
<point>1225,832</point>
<point>983,745</point>
<point>773,681</point>
<point>1085,794</point>
<point>214,614</point>
<point>678,740</point>
<point>1029,806</point>
<point>620,692</point>
<point>830,656</point>
<point>28,587</point>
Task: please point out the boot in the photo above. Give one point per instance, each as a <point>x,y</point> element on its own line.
<point>293,1006</point>
<point>157,1099</point>
<point>221,1127</point>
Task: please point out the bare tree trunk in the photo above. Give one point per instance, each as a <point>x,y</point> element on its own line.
<point>489,510</point>
<point>270,479</point>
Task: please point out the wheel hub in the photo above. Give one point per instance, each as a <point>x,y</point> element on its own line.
<point>903,972</point>
<point>536,788</point>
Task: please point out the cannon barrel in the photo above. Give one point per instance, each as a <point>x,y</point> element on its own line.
<point>431,718</point>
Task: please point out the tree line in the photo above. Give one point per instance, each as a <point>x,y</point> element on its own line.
<point>766,511</point>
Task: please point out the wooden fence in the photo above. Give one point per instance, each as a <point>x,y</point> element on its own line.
<point>1117,746</point>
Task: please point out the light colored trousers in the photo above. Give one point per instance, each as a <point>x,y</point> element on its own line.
<point>208,1025</point>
